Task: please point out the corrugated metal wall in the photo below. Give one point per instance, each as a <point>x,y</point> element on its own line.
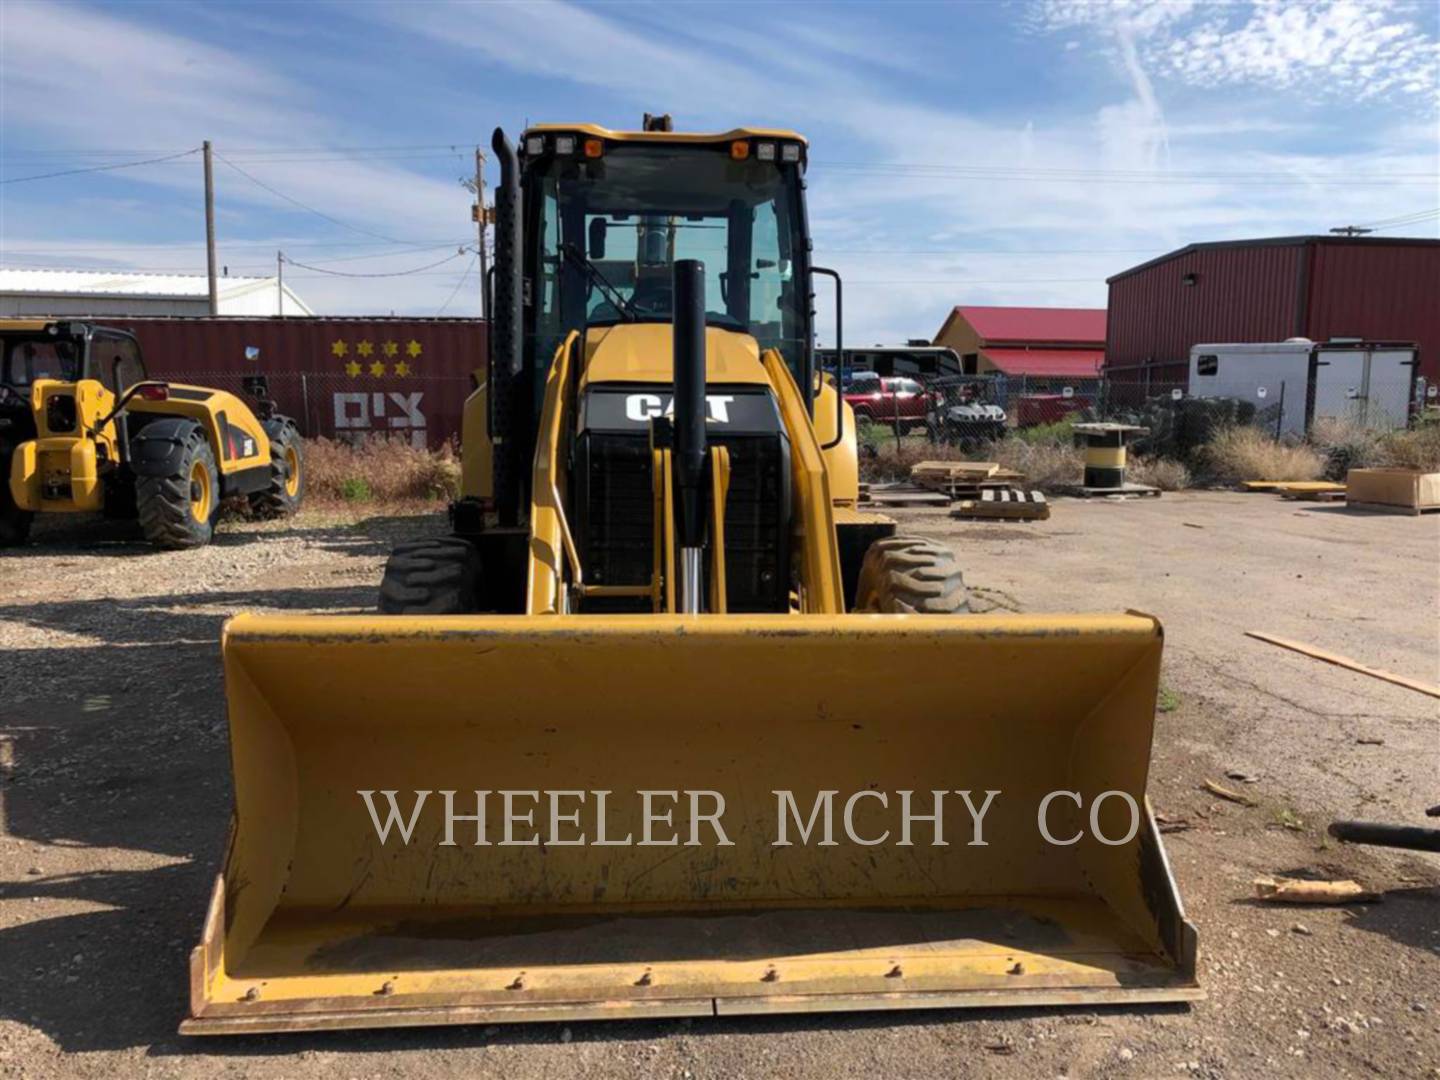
<point>1240,294</point>
<point>1382,292</point>
<point>336,377</point>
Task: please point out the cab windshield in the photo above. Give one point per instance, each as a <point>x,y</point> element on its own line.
<point>611,228</point>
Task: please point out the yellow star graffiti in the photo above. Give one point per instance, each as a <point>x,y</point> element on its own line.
<point>364,348</point>
<point>339,348</point>
<point>390,348</point>
<point>352,369</point>
<point>377,369</point>
<point>402,368</point>
<point>413,349</point>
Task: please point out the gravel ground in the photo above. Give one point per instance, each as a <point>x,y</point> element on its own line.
<point>114,790</point>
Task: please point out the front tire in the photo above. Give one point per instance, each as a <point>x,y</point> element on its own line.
<point>909,575</point>
<point>281,498</point>
<point>179,510</point>
<point>440,576</point>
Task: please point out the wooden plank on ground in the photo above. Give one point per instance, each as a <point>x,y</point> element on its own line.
<point>1345,662</point>
<point>1291,486</point>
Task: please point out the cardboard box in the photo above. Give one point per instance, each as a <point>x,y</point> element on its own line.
<point>1400,490</point>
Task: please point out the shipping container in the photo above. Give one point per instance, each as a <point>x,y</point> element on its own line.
<point>1319,287</point>
<point>338,378</point>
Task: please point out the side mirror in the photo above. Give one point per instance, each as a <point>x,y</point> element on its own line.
<point>595,240</point>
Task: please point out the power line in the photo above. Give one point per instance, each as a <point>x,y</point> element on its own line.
<point>305,206</point>
<point>1404,219</point>
<point>978,172</point>
<point>387,274</point>
<point>52,153</point>
<point>456,291</point>
<point>102,168</point>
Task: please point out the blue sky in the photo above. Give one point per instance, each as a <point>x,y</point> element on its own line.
<point>1006,152</point>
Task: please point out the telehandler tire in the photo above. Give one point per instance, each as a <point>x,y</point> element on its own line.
<point>287,474</point>
<point>910,575</point>
<point>179,510</point>
<point>439,576</point>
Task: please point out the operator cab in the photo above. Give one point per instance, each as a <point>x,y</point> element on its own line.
<point>609,213</point>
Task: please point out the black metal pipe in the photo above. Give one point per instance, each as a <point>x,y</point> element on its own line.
<point>1411,837</point>
<point>690,442</point>
<point>507,336</point>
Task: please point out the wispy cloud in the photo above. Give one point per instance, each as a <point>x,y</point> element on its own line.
<point>1327,49</point>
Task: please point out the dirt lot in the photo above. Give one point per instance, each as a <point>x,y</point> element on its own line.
<point>114,790</point>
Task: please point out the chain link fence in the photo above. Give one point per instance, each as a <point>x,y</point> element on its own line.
<point>1314,427</point>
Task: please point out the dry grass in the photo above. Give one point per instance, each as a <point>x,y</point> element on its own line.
<point>887,464</point>
<point>1415,449</point>
<point>1046,465</point>
<point>1166,474</point>
<point>379,470</point>
<point>1346,445</point>
<point>1246,453</point>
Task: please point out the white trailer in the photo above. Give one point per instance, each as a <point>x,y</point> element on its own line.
<point>1296,382</point>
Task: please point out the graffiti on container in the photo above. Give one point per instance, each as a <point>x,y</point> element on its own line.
<point>363,412</point>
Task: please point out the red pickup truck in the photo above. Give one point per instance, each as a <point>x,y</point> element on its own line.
<point>891,400</point>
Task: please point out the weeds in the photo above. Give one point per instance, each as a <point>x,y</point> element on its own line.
<point>1346,445</point>
<point>1418,448</point>
<point>379,470</point>
<point>1168,701</point>
<point>1246,453</point>
<point>1166,474</point>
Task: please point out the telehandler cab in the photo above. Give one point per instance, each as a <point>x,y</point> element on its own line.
<point>659,592</point>
<point>82,429</point>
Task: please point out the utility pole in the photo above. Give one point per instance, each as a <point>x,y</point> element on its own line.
<point>480,216</point>
<point>210,229</point>
<point>1351,230</point>
<point>280,281</point>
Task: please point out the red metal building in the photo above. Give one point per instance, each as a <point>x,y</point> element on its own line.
<point>337,377</point>
<point>1319,287</point>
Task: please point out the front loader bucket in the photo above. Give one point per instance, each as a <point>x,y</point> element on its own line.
<point>555,726</point>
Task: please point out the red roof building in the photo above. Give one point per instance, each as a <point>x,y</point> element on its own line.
<point>1038,343</point>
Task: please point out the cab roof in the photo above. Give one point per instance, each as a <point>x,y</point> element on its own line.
<point>667,136</point>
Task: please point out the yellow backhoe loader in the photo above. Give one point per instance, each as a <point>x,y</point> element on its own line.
<point>667,725</point>
<point>84,430</point>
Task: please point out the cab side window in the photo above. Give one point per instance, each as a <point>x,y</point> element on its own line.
<point>116,362</point>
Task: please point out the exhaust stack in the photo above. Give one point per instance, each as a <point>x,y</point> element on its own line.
<point>690,443</point>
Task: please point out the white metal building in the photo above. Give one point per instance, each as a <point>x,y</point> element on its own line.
<point>125,292</point>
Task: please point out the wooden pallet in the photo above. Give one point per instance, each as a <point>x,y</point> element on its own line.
<point>1128,489</point>
<point>1004,505</point>
<point>964,479</point>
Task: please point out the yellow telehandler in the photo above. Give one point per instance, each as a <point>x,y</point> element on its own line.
<point>83,429</point>
<point>667,725</point>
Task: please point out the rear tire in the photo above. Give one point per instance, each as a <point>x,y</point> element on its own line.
<point>909,575</point>
<point>440,576</point>
<point>281,498</point>
<point>180,510</point>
